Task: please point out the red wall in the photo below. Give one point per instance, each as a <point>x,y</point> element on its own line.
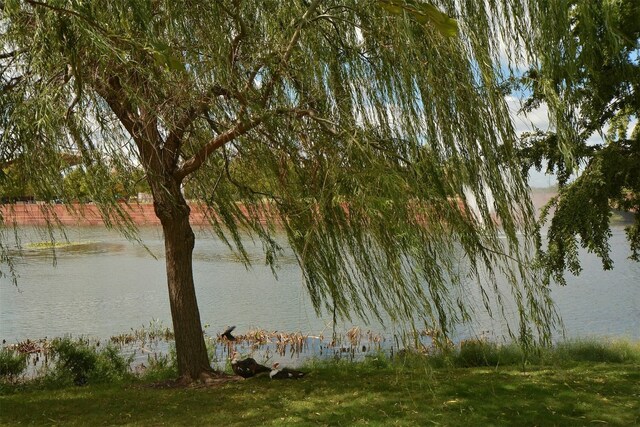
<point>38,214</point>
<point>77,214</point>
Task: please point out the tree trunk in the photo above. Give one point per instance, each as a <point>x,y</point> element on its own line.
<point>179,240</point>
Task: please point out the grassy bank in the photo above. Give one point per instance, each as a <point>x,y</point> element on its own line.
<point>571,385</point>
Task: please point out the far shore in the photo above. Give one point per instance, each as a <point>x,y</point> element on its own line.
<point>37,213</point>
<point>78,214</point>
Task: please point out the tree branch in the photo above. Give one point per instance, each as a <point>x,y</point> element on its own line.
<point>242,128</point>
<point>173,143</point>
<point>327,125</point>
<point>201,156</point>
<point>242,31</point>
<point>243,186</point>
<point>112,93</point>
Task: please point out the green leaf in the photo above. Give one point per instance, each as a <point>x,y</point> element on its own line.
<point>164,56</point>
<point>390,7</point>
<point>424,13</point>
<point>428,13</point>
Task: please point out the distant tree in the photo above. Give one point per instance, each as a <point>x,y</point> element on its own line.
<point>371,130</point>
<point>14,183</point>
<point>126,183</point>
<point>588,75</point>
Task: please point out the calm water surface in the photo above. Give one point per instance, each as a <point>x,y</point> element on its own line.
<point>108,286</point>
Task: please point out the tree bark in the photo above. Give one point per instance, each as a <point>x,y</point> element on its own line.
<point>179,239</point>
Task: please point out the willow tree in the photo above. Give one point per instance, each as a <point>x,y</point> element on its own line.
<point>366,131</point>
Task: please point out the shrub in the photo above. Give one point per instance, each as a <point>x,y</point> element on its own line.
<point>12,363</point>
<point>74,360</point>
<point>111,366</point>
<point>79,363</point>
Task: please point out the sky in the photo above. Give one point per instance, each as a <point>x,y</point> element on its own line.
<point>539,119</point>
<point>536,119</point>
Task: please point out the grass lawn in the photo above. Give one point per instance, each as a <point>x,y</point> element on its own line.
<point>372,393</point>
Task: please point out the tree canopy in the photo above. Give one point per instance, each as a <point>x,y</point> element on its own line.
<point>588,74</point>
<point>376,133</point>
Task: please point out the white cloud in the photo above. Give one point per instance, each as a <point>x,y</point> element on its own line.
<point>536,119</point>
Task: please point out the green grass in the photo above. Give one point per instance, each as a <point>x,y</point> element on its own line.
<point>376,392</point>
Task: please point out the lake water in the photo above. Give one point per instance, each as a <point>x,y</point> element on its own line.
<point>107,286</point>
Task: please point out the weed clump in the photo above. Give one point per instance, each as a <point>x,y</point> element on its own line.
<point>159,368</point>
<point>478,353</point>
<point>483,353</point>
<point>598,351</point>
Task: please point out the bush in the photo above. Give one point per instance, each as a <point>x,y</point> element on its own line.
<point>112,366</point>
<point>73,360</point>
<point>12,363</point>
<point>79,363</point>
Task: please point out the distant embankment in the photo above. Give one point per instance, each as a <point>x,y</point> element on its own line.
<point>141,214</point>
<point>38,214</point>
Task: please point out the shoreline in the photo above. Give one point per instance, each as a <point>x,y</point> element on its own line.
<point>141,213</point>
<point>23,213</point>
<point>77,214</point>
